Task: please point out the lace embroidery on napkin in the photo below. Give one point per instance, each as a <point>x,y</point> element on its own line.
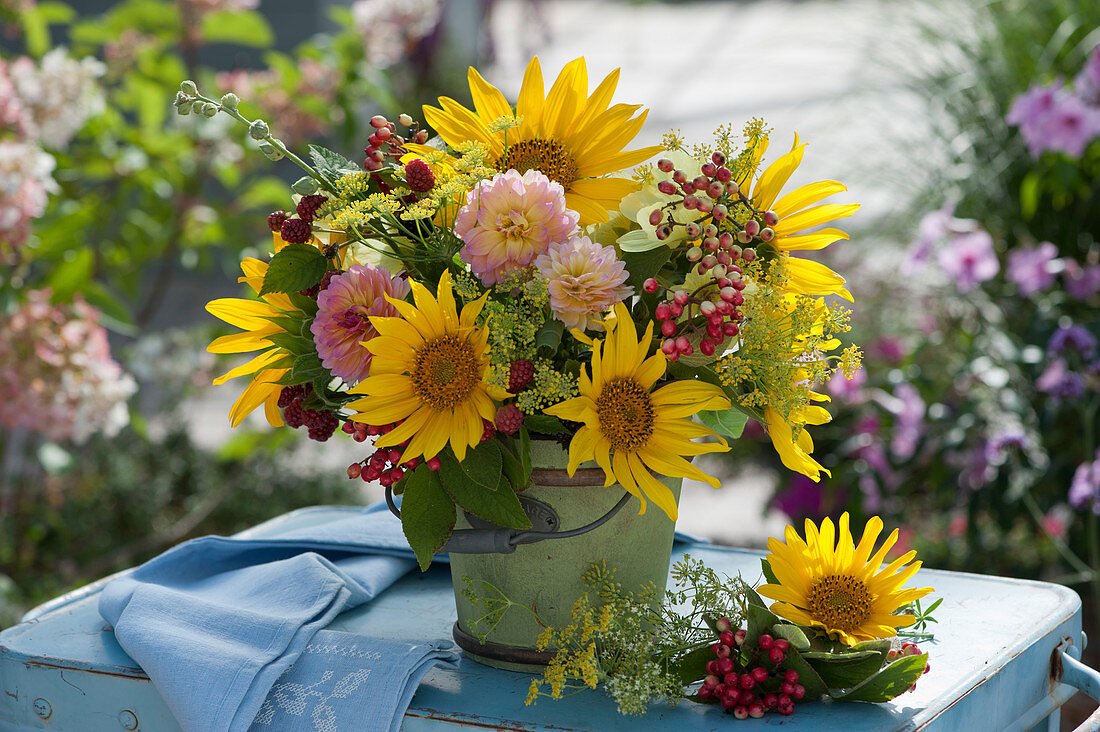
<point>295,699</point>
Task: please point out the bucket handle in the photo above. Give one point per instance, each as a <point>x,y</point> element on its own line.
<point>504,540</point>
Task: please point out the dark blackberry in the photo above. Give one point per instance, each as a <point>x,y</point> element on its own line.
<point>296,231</point>
<point>419,176</point>
<point>308,205</point>
<point>276,219</point>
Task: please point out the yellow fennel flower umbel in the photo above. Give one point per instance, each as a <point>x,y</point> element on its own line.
<point>829,583</point>
<point>428,373</point>
<point>254,317</point>
<point>629,429</point>
<point>797,213</point>
<point>570,136</point>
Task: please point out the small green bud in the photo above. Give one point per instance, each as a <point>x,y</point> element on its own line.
<point>188,87</point>
<point>209,110</point>
<point>230,101</point>
<point>185,108</point>
<point>181,98</point>
<point>270,152</point>
<point>305,185</point>
<point>258,130</point>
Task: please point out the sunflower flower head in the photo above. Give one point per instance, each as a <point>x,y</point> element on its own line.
<point>258,321</point>
<point>629,429</point>
<point>428,373</point>
<point>842,589</point>
<point>572,137</point>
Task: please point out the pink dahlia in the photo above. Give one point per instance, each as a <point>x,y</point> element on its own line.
<point>510,220</point>
<point>585,280</point>
<point>343,312</point>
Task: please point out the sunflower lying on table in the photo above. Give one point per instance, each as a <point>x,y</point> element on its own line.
<point>712,640</point>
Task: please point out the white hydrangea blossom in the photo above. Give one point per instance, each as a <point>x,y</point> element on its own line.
<point>60,94</point>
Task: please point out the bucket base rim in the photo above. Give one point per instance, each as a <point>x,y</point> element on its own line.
<point>498,655</point>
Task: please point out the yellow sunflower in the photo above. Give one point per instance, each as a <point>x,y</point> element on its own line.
<point>254,317</point>
<point>570,136</point>
<point>428,372</point>
<point>841,589</point>
<point>796,214</point>
<point>629,430</point>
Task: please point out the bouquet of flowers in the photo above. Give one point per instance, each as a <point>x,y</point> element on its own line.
<point>522,275</point>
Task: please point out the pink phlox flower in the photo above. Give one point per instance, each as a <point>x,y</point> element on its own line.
<point>343,322</point>
<point>970,259</point>
<point>1032,269</point>
<point>1082,282</point>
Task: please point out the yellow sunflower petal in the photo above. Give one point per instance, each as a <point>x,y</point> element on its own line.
<point>808,242</point>
<point>654,490</point>
<point>776,176</point>
<point>488,101</point>
<point>815,279</point>
<point>806,195</point>
<point>530,102</point>
<point>814,217</point>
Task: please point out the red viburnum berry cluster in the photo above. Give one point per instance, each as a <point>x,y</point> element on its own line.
<point>385,143</point>
<point>320,423</point>
<point>713,191</point>
<point>384,464</point>
<point>709,315</point>
<point>907,649</point>
<point>750,681</point>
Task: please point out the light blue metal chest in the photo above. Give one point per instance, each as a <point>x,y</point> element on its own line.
<point>998,641</point>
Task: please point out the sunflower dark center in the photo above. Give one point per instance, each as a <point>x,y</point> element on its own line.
<point>839,602</point>
<point>445,372</point>
<point>626,414</point>
<point>549,157</point>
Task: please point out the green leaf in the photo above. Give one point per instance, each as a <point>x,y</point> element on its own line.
<point>729,422</point>
<point>643,265</point>
<point>427,514</point>
<point>293,343</point>
<point>241,27</point>
<point>483,465</point>
<point>544,424</point>
<point>294,267</point>
<point>769,575</point>
<point>500,505</point>
<point>525,453</point>
<point>330,163</point>
<point>760,621</point>
<point>1029,195</point>
<point>844,670</point>
<point>692,666</point>
<point>513,468</point>
<point>888,683</point>
<point>549,336</point>
<point>792,634</point>
<point>72,275</point>
<point>807,676</point>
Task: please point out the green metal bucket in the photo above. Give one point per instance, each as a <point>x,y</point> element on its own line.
<point>546,576</point>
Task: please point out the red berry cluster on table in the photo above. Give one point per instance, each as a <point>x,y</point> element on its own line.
<point>749,680</point>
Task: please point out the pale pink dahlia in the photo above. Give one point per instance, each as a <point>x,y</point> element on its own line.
<point>343,312</point>
<point>585,280</point>
<point>510,220</point>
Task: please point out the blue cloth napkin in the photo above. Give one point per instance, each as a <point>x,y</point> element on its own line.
<point>326,687</point>
<point>216,621</point>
